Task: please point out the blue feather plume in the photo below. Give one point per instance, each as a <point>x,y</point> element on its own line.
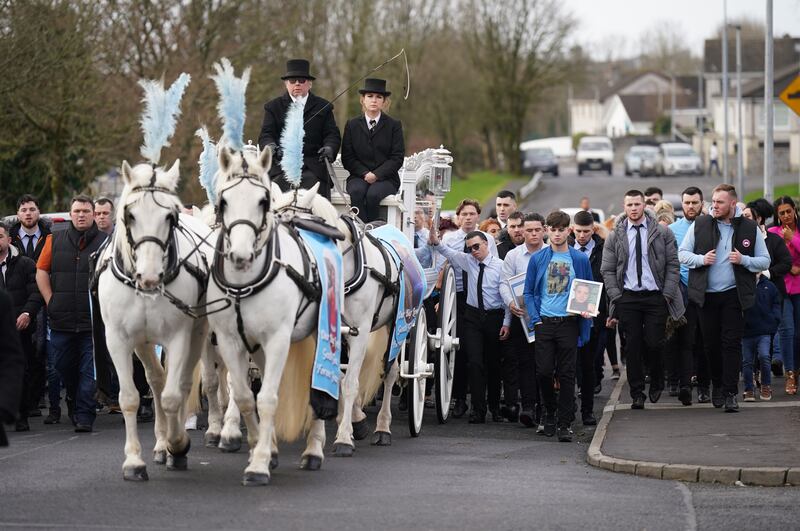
<point>292,144</point>
<point>161,111</point>
<point>232,102</point>
<point>209,164</point>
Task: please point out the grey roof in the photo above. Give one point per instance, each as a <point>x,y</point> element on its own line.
<point>782,78</point>
<point>784,54</point>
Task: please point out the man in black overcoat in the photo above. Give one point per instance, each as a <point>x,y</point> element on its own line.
<point>322,138</point>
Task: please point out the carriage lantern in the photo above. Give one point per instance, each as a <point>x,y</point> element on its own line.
<point>441,176</point>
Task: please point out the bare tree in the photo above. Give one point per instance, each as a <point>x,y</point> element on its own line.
<point>516,48</point>
<point>663,47</point>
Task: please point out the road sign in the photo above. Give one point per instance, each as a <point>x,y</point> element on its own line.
<point>791,96</point>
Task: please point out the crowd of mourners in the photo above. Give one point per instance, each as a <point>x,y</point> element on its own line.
<point>693,304</point>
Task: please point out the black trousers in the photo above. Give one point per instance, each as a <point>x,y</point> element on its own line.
<point>367,197</point>
<point>28,380</point>
<point>481,340</point>
<point>642,318</point>
<point>556,353</point>
<point>460,374</point>
<point>722,322</point>
<point>688,354</point>
<point>587,363</point>
<point>524,381</point>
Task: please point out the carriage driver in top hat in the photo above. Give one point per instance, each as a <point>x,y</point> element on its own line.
<point>322,138</point>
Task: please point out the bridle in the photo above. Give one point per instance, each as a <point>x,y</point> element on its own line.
<point>151,189</point>
<point>261,230</point>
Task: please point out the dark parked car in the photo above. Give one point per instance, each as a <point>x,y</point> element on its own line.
<point>540,159</point>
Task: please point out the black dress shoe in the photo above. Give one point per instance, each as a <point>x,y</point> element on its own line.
<point>511,413</point>
<point>654,394</point>
<point>549,425</point>
<point>496,416</point>
<point>460,408</point>
<point>565,434</point>
<point>716,397</point>
<point>83,428</point>
<point>638,402</point>
<point>685,396</point>
<point>731,405</point>
<point>477,418</point>
<point>145,413</point>
<point>673,390</point>
<point>526,418</point>
<point>22,425</point>
<point>598,387</point>
<point>35,413</point>
<point>702,395</point>
<point>54,417</point>
<point>589,419</point>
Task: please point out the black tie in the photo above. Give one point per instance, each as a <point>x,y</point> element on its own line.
<point>583,249</point>
<point>480,286</point>
<point>638,254</point>
<point>29,248</point>
<point>372,125</point>
<point>417,241</point>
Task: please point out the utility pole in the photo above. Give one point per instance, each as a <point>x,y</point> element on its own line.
<point>739,139</point>
<point>725,89</point>
<point>701,109</point>
<point>672,108</point>
<point>768,118</point>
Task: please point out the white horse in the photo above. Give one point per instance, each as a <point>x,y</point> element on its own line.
<point>151,275</point>
<point>276,323</point>
<point>369,310</point>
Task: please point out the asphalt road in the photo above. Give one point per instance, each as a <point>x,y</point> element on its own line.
<point>456,476</point>
<point>605,191</point>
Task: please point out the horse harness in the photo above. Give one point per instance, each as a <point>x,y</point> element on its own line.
<point>173,265</point>
<point>307,281</point>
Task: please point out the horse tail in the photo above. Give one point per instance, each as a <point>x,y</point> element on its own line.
<point>372,372</point>
<point>294,416</point>
<point>193,401</point>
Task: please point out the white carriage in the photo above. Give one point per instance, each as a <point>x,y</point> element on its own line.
<point>427,170</point>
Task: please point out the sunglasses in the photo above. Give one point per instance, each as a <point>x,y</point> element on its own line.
<point>473,247</point>
<point>296,80</point>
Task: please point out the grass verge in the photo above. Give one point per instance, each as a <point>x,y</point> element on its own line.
<point>786,189</point>
<point>482,186</point>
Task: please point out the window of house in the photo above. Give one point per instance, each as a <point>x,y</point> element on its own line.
<point>780,116</point>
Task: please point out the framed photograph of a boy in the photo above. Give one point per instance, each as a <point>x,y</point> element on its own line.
<point>584,296</point>
<point>517,286</point>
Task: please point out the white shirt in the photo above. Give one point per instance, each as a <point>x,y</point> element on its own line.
<point>4,266</point>
<point>492,277</point>
<point>713,154</point>
<point>455,240</point>
<point>376,119</point>
<point>301,100</point>
<point>515,262</point>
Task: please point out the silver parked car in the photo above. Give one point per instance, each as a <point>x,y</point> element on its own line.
<point>640,159</point>
<point>678,158</point>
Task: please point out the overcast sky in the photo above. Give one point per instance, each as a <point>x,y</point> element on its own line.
<point>605,22</point>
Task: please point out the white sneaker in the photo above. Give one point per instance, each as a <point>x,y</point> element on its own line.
<point>191,423</point>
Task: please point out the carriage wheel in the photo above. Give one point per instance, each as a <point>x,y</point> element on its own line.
<point>417,344</point>
<point>447,345</point>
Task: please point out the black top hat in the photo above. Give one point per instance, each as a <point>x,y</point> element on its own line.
<point>297,68</point>
<point>375,86</point>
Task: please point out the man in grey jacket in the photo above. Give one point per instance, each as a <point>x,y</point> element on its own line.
<point>641,272</point>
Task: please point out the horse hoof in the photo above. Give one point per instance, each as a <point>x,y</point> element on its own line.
<point>343,450</point>
<point>177,462</point>
<point>255,479</point>
<point>160,457</point>
<point>310,462</point>
<point>137,473</point>
<point>230,446</point>
<point>360,430</point>
<point>273,462</point>
<point>382,438</point>
<point>211,440</point>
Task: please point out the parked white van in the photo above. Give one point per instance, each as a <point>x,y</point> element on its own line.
<point>595,153</point>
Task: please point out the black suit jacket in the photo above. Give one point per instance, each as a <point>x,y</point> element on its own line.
<point>380,152</point>
<point>12,364</point>
<point>320,131</point>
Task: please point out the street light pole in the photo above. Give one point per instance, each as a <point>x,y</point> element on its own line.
<point>739,139</point>
<point>672,108</point>
<point>725,89</point>
<point>768,118</point>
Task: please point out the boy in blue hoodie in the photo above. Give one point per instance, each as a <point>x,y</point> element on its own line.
<point>760,324</point>
<point>558,333</point>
